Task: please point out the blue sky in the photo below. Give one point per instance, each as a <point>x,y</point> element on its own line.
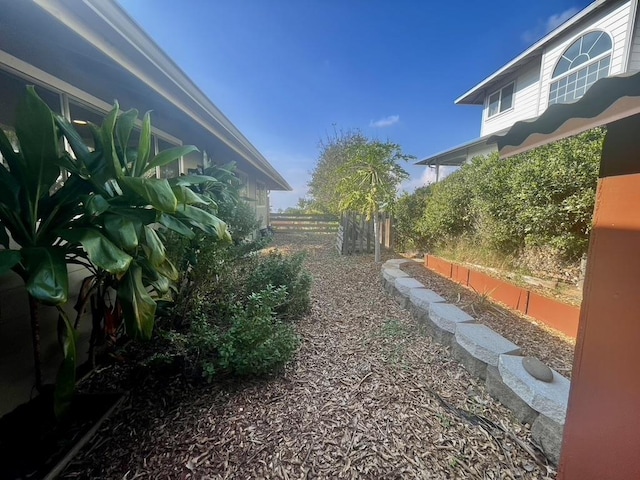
<point>287,72</point>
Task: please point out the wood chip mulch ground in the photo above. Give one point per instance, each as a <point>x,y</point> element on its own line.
<point>368,396</point>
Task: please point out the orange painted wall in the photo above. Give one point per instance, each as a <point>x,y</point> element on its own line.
<point>602,432</point>
<point>557,315</point>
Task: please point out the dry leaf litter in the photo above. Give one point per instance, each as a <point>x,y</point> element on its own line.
<point>368,396</point>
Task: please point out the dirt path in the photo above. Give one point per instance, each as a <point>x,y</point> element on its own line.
<point>369,396</point>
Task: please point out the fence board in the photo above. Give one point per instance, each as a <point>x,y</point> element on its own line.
<point>303,223</point>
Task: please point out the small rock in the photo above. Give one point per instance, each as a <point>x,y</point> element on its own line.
<point>537,369</point>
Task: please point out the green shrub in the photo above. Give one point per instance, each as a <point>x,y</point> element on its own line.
<point>406,212</point>
<point>257,342</point>
<point>542,198</point>
<point>283,271</point>
<point>252,341</point>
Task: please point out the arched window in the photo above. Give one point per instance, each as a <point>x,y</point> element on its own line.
<point>584,62</point>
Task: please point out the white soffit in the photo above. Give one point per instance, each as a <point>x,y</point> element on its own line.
<point>608,100</point>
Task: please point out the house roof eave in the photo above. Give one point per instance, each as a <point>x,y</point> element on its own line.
<point>98,21</point>
<point>457,155</point>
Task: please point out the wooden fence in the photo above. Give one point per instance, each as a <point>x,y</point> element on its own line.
<point>355,234</point>
<point>304,223</point>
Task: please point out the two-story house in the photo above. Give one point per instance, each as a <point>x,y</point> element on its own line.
<point>81,56</point>
<point>599,41</point>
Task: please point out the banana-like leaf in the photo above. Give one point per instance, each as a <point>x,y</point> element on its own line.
<point>176,225</point>
<point>111,160</point>
<point>8,258</point>
<point>137,305</point>
<point>36,131</point>
<point>123,128</point>
<point>47,279</point>
<point>188,180</point>
<point>13,159</point>
<point>122,230</point>
<point>155,191</point>
<point>80,149</point>
<point>161,284</point>
<point>167,269</point>
<point>95,205</point>
<point>9,189</point>
<point>187,196</point>
<point>101,251</point>
<point>170,155</point>
<point>144,147</point>
<point>154,248</point>
<point>66,378</point>
<point>210,223</point>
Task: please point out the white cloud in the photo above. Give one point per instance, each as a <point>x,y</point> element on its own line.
<point>547,25</point>
<point>385,122</point>
<point>428,176</point>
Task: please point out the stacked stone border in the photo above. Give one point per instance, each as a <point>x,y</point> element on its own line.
<point>489,356</point>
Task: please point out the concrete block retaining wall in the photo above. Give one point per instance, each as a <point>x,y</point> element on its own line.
<point>488,355</point>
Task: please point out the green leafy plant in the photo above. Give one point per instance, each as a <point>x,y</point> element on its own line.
<point>34,209</point>
<point>118,231</point>
<point>257,342</point>
<point>250,340</point>
<point>542,199</point>
<point>369,180</point>
<point>103,216</point>
<point>283,271</point>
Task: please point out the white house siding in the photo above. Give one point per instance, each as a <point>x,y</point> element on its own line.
<point>525,102</point>
<point>634,59</point>
<point>613,20</point>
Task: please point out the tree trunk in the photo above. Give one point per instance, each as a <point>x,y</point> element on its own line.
<point>376,235</point>
<point>34,315</point>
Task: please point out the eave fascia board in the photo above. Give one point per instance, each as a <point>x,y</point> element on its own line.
<point>474,95</point>
<point>117,20</point>
<point>459,149</point>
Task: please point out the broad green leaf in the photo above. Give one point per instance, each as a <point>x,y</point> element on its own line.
<point>95,205</point>
<point>175,225</point>
<point>170,155</point>
<point>137,305</point>
<point>13,159</point>
<point>140,216</point>
<point>122,230</point>
<point>80,149</point>
<point>144,146</point>
<point>210,223</point>
<point>123,128</point>
<point>38,138</point>
<point>187,196</point>
<point>66,378</point>
<point>101,251</point>
<point>47,279</point>
<point>187,180</point>
<point>156,191</point>
<point>167,269</point>
<point>9,189</point>
<point>8,258</point>
<point>154,248</point>
<point>112,163</point>
<point>161,284</point>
